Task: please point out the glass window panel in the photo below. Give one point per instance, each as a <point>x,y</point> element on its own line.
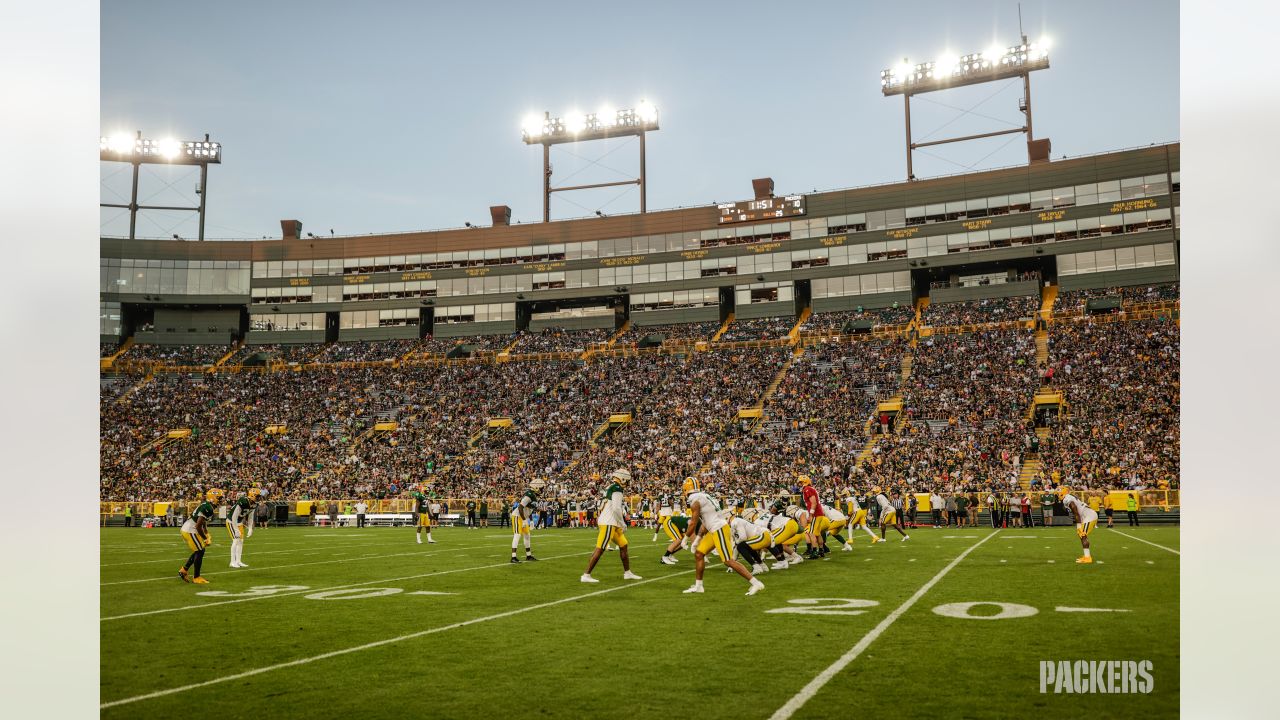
<point>1164,254</point>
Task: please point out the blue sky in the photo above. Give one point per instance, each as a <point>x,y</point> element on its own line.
<point>393,116</point>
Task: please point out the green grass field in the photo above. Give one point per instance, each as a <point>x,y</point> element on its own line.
<point>330,622</point>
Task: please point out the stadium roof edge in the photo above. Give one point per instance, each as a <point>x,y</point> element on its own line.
<point>709,207</point>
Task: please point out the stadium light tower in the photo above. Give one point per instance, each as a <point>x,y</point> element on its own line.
<point>579,127</point>
<point>982,67</point>
<point>139,151</point>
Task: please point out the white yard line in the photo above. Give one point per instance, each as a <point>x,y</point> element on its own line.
<point>1175,552</point>
<point>380,643</point>
<point>808,691</point>
<point>171,577</point>
<point>335,587</point>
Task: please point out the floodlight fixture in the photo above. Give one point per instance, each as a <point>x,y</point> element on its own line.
<point>138,151</point>
<point>951,71</point>
<point>576,126</point>
<point>994,63</point>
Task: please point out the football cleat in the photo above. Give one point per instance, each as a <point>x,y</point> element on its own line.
<point>515,560</point>
<point>200,581</point>
<point>530,557</point>
<point>1084,560</point>
<point>693,589</point>
<point>242,565</point>
<point>587,579</point>
<point>756,586</point>
<point>758,569</point>
<point>668,560</point>
<point>780,565</point>
<point>433,542</point>
<point>628,575</point>
<point>906,538</point>
<point>846,548</point>
<point>182,573</point>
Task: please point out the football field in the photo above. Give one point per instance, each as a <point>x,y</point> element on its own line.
<point>367,623</point>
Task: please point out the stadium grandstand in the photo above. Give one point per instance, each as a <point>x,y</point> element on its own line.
<point>997,331</point>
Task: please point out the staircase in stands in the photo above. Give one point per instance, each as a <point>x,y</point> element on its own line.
<point>235,349</point>
<point>723,328</point>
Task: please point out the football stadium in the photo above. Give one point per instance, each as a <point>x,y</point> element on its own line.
<point>923,435</point>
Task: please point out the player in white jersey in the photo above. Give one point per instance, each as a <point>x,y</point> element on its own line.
<point>781,529</point>
<point>704,513</point>
<point>750,538</point>
<point>1085,517</point>
<point>888,516</point>
<point>612,525</point>
<point>858,517</point>
<point>835,522</point>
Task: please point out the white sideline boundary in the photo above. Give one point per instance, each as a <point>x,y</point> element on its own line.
<point>1132,537</point>
<point>380,643</point>
<point>314,562</point>
<point>809,690</point>
<point>334,587</point>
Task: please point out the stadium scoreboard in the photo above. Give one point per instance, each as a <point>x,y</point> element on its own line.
<point>763,209</point>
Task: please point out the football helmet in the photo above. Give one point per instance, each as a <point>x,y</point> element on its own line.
<point>621,475</point>
<point>537,484</point>
<point>804,480</point>
<point>1062,491</point>
<point>691,485</point>
<point>254,493</point>
<point>213,495</point>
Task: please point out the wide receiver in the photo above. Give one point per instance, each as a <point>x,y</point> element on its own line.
<point>1086,520</point>
<point>195,531</point>
<point>520,514</point>
<point>240,524</point>
<point>612,523</point>
<point>888,516</point>
<point>704,512</point>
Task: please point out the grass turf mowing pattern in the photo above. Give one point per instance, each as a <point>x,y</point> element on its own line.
<point>632,651</point>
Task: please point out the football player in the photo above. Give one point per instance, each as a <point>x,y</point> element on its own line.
<point>240,524</point>
<point>422,513</point>
<point>520,513</point>
<point>857,516</point>
<point>675,527</point>
<point>831,523</point>
<point>888,515</point>
<point>1085,517</point>
<point>750,538</point>
<point>664,512</point>
<point>195,531</point>
<point>781,529</point>
<point>704,512</point>
<point>612,526</point>
<point>813,511</point>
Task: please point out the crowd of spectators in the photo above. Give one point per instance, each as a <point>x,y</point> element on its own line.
<point>829,322</point>
<point>366,351</point>
<point>1122,386</point>
<point>107,349</point>
<point>183,355</point>
<point>286,353</point>
<point>681,334</point>
<point>483,344</point>
<point>758,329</point>
<point>963,424</point>
<point>974,312</point>
<point>561,340</point>
<point>1074,300</point>
<point>973,377</point>
<point>681,424</point>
